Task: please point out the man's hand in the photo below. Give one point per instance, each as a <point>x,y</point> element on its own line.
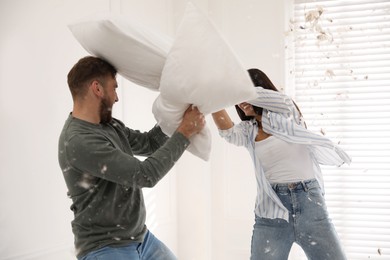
<point>192,123</point>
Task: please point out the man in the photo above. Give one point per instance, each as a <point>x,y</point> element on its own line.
<point>104,179</point>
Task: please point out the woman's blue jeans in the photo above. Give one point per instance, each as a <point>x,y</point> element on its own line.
<point>309,226</point>
<point>150,249</point>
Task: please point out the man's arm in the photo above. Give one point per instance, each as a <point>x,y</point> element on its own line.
<point>93,154</point>
<point>145,144</point>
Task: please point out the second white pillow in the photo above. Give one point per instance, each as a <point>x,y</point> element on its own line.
<point>137,52</point>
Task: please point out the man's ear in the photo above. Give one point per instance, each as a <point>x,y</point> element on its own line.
<point>97,88</point>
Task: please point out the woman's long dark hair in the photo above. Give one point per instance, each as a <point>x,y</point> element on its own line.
<point>259,79</point>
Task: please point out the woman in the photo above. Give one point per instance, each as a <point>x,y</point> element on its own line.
<point>290,206</point>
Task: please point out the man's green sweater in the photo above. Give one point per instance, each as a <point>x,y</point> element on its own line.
<point>104,179</point>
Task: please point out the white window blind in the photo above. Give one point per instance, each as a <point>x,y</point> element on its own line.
<point>340,68</point>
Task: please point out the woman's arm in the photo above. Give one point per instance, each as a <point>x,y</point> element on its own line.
<point>234,134</point>
<point>222,120</point>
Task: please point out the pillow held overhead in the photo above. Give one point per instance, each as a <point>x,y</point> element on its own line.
<point>134,50</point>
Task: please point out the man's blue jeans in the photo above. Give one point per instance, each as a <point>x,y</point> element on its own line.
<point>150,249</point>
<point>309,226</point>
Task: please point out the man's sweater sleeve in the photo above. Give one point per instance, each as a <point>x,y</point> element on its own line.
<point>146,143</point>
<point>93,154</point>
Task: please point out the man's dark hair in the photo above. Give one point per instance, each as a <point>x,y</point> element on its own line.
<point>85,71</point>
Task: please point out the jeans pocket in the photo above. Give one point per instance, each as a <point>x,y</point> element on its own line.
<point>315,191</point>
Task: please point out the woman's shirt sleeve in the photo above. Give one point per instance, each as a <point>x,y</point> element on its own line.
<point>273,101</point>
<point>238,134</point>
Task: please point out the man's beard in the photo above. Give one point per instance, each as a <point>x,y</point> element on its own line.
<point>105,112</point>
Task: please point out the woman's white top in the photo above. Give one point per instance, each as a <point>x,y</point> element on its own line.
<point>281,119</point>
<point>284,162</point>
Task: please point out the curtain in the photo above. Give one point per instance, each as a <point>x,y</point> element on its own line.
<point>339,66</point>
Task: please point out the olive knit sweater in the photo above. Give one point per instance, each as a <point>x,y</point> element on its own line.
<point>105,180</point>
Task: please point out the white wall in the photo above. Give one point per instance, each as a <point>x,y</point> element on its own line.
<point>202,210</point>
<point>36,52</point>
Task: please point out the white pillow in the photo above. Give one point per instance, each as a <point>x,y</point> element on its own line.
<point>169,116</point>
<point>134,50</point>
<point>201,69</point>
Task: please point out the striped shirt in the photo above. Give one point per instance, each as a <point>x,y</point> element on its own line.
<point>281,119</point>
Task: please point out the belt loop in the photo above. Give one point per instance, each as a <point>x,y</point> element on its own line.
<point>304,186</point>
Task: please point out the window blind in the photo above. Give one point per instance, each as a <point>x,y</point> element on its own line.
<point>340,70</point>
